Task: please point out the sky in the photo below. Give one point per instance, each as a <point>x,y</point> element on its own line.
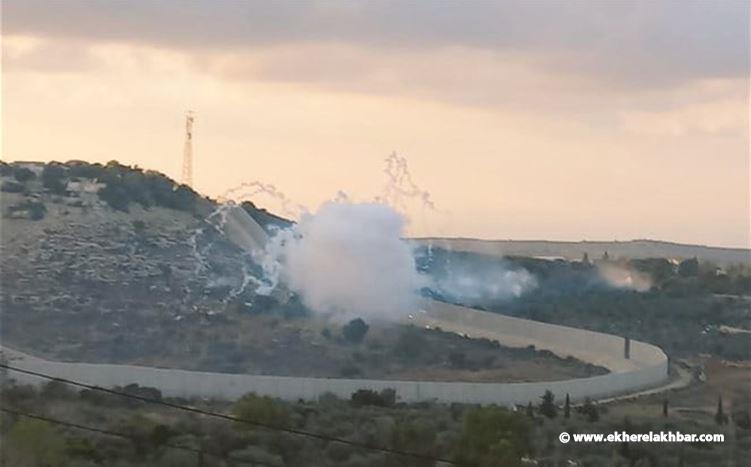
<point>523,120</point>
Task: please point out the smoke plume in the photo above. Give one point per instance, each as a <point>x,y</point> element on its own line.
<point>346,260</point>
<point>624,278</point>
<point>482,287</point>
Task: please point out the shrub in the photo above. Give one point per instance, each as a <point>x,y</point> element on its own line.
<point>261,409</point>
<point>36,209</point>
<point>53,179</point>
<point>355,330</point>
<point>493,436</point>
<point>23,175</point>
<point>115,196</point>
<point>12,187</point>
<point>385,398</point>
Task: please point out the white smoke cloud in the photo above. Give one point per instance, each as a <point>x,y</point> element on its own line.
<point>624,278</point>
<point>347,260</point>
<point>485,284</point>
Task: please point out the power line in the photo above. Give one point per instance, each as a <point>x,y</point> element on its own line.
<point>54,421</point>
<point>268,426</point>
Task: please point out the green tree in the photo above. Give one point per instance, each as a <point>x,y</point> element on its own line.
<point>719,416</point>
<point>53,178</point>
<point>493,437</point>
<point>355,330</point>
<point>547,406</point>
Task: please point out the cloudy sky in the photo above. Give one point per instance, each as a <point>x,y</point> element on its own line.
<point>526,120</point>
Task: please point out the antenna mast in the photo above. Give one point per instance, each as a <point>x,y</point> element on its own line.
<point>188,150</point>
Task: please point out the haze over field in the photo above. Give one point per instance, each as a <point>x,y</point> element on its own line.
<point>511,119</point>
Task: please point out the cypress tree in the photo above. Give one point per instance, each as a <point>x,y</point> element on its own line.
<point>720,415</point>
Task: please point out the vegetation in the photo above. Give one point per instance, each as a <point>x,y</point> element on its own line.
<point>10,186</point>
<point>471,435</point>
<point>22,174</point>
<point>355,331</point>
<point>34,210</point>
<point>547,406</point>
<point>54,179</point>
<point>683,311</point>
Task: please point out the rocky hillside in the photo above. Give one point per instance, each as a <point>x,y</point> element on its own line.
<point>115,264</point>
<point>107,253</point>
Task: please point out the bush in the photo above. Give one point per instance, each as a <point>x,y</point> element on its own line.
<point>493,436</point>
<point>36,209</point>
<point>23,175</point>
<point>12,187</point>
<point>689,267</point>
<point>260,409</point>
<point>35,442</point>
<point>386,398</point>
<point>355,331</point>
<point>53,179</point>
<point>115,196</point>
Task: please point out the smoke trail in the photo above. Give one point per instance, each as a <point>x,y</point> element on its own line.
<point>400,187</point>
<point>248,190</point>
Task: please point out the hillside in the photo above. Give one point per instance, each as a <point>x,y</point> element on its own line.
<point>115,264</point>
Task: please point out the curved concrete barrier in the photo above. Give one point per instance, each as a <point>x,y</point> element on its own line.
<point>646,367</point>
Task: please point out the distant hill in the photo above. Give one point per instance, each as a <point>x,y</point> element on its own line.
<point>575,250</point>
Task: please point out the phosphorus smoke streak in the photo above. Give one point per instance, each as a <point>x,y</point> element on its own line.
<point>350,258</point>
<point>400,187</point>
<point>248,190</point>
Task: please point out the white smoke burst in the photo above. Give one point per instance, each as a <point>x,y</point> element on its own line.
<point>349,259</point>
<point>345,260</point>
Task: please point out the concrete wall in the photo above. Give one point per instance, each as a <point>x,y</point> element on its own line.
<point>646,368</point>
